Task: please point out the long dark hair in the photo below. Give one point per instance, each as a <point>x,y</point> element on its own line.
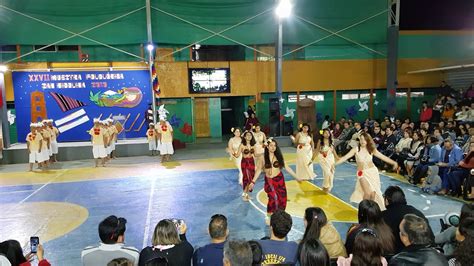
<point>370,215</point>
<point>13,252</point>
<point>313,252</point>
<point>370,142</point>
<point>321,141</point>
<point>244,140</point>
<point>464,251</point>
<point>367,249</point>
<point>316,219</point>
<point>278,155</point>
<point>310,133</point>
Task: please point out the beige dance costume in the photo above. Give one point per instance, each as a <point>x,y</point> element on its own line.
<point>327,162</point>
<point>259,138</point>
<point>367,170</point>
<point>304,155</point>
<point>235,145</point>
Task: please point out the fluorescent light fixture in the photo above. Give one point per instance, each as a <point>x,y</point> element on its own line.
<point>3,68</point>
<point>283,10</point>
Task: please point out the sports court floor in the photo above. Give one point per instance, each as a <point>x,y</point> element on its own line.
<point>64,205</point>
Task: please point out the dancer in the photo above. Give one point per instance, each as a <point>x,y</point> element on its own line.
<point>113,138</point>
<point>247,151</point>
<point>105,127</point>
<point>233,149</point>
<point>152,138</point>
<point>34,143</point>
<point>275,186</point>
<point>46,147</point>
<point>54,140</point>
<point>327,155</point>
<point>368,178</point>
<point>166,140</point>
<point>304,153</point>
<point>260,139</point>
<point>99,142</point>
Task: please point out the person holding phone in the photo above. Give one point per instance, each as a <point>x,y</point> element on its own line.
<point>14,253</point>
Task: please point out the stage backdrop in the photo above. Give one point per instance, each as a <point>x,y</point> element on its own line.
<point>74,99</point>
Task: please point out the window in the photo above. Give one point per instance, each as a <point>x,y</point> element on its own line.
<point>350,96</point>
<point>68,48</point>
<point>401,94</point>
<point>292,98</point>
<point>367,95</point>
<point>7,48</point>
<point>417,94</point>
<point>51,48</point>
<point>317,98</point>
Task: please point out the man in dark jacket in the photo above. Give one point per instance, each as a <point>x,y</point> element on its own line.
<point>212,254</point>
<point>397,207</point>
<point>417,238</point>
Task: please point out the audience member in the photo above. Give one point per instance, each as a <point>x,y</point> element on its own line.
<point>313,253</point>
<point>257,252</point>
<point>432,183</point>
<point>447,238</point>
<point>112,237</point>
<point>450,157</point>
<point>237,253</point>
<point>417,238</point>
<point>212,254</point>
<point>277,250</point>
<point>169,242</point>
<point>12,250</point>
<point>463,255</point>
<point>426,112</point>
<point>367,250</point>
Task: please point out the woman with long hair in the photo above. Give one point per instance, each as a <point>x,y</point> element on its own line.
<point>337,130</point>
<point>414,154</point>
<point>247,151</point>
<point>12,250</point>
<point>233,150</point>
<point>465,238</point>
<point>367,250</point>
<point>318,227</point>
<point>313,253</point>
<point>275,186</point>
<point>370,215</point>
<point>368,178</point>
<point>260,139</point>
<point>327,159</point>
<point>304,152</point>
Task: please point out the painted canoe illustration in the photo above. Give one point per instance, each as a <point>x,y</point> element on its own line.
<point>125,97</point>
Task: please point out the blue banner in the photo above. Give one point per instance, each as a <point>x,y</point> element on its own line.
<point>74,99</point>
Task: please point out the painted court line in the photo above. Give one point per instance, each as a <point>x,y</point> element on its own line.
<point>148,213</point>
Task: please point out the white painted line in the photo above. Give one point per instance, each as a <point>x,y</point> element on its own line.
<point>258,209</point>
<point>435,215</point>
<point>70,117</point>
<point>426,208</point>
<point>423,196</point>
<point>74,124</point>
<point>428,202</point>
<point>148,213</point>
<point>414,191</point>
<point>16,191</point>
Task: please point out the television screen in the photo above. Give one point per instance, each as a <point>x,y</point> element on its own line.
<point>209,80</point>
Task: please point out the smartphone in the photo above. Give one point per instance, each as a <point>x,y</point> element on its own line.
<point>34,242</point>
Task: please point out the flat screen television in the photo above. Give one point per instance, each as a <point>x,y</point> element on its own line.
<point>209,80</point>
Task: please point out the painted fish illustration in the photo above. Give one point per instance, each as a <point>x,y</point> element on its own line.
<point>125,97</point>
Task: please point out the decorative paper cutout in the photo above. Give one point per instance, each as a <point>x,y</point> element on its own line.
<point>162,112</point>
<point>351,111</point>
<point>125,97</point>
<point>11,117</point>
<point>319,116</point>
<point>290,113</point>
<point>175,121</point>
<point>66,103</point>
<point>363,106</point>
<point>187,129</point>
<point>376,102</point>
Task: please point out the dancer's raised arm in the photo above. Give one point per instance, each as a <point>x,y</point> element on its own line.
<point>346,157</point>
<point>385,159</point>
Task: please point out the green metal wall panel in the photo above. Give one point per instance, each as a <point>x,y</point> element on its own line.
<point>215,118</point>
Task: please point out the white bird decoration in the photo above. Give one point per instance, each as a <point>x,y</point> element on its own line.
<point>290,113</point>
<point>376,102</point>
<point>11,117</point>
<point>162,112</point>
<point>363,106</point>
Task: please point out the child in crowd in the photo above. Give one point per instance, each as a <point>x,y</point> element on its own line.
<point>432,183</point>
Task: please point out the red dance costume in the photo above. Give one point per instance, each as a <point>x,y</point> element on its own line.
<point>248,169</point>
<point>276,192</point>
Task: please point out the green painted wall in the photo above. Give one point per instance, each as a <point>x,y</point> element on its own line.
<point>183,109</point>
<point>215,118</point>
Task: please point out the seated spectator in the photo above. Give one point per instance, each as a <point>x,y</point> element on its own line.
<point>437,134</point>
<point>448,112</point>
<point>120,262</point>
<point>12,250</point>
<point>277,250</point>
<point>367,250</point>
<point>417,238</point>
<point>462,136</point>
<point>370,216</point>
<point>457,175</point>
<point>169,242</point>
<point>314,253</point>
<point>256,252</point>
<point>212,254</point>
<point>353,142</point>
<point>397,207</point>
<point>237,253</point>
<point>426,112</point>
<point>377,136</point>
<point>387,147</point>
<point>432,183</point>
<point>414,154</point>
<point>112,237</point>
<point>325,122</point>
<point>402,149</point>
<point>465,237</point>
<point>429,156</point>
<point>447,238</point>
<point>449,131</point>
<point>450,157</point>
<point>345,135</point>
<point>318,227</point>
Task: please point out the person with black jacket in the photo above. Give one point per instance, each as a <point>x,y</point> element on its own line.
<point>417,238</point>
<point>168,245</point>
<point>397,207</point>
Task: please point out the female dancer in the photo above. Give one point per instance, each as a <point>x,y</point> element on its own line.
<point>368,179</point>
<point>247,151</point>
<point>304,153</point>
<point>260,139</point>
<point>326,153</point>
<point>274,180</point>
<point>233,149</point>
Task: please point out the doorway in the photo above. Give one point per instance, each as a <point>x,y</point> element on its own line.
<point>201,117</point>
<point>232,109</point>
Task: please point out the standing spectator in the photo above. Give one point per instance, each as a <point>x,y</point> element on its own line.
<point>169,242</point>
<point>450,157</point>
<point>417,238</point>
<point>426,112</point>
<point>112,237</point>
<point>367,250</point>
<point>397,207</point>
<point>251,121</point>
<point>314,253</point>
<point>14,253</point>
<point>318,227</point>
<point>277,250</point>
<point>237,253</point>
<point>212,254</point>
<point>325,122</point>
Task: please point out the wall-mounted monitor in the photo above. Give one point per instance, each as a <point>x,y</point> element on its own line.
<point>209,80</point>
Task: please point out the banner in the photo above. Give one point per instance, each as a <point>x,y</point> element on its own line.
<point>74,99</point>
